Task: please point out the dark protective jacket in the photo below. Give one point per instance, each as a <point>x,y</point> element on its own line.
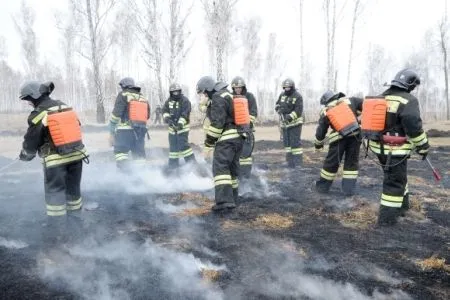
<point>220,114</point>
<point>403,119</point>
<point>38,139</point>
<point>355,105</point>
<point>252,105</point>
<point>120,118</point>
<point>178,110</point>
<point>292,105</point>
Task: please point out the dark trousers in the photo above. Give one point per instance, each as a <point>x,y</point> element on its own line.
<point>350,147</point>
<point>129,140</point>
<point>226,170</point>
<point>292,145</point>
<point>394,198</point>
<point>246,159</point>
<point>179,148</point>
<point>63,200</point>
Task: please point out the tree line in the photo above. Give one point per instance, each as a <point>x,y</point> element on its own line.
<point>103,40</point>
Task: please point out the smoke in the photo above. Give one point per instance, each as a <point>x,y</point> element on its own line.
<point>12,244</point>
<point>108,270</point>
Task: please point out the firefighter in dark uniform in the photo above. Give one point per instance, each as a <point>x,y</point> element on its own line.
<point>128,124</point>
<point>290,107</point>
<point>62,158</point>
<point>402,120</point>
<point>158,113</point>
<point>246,159</point>
<point>342,140</point>
<point>176,113</point>
<point>225,137</point>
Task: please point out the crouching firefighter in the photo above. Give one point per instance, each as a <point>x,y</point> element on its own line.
<point>392,124</point>
<point>54,132</point>
<point>128,124</point>
<point>290,107</point>
<point>176,113</point>
<point>229,117</point>
<point>246,159</point>
<point>340,113</point>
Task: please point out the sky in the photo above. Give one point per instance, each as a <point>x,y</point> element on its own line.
<point>398,25</point>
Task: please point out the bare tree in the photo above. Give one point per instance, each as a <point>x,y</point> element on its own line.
<point>147,23</point>
<point>95,14</point>
<point>178,36</point>
<point>329,7</point>
<point>24,22</point>
<point>377,68</point>
<point>443,43</point>
<point>218,14</point>
<point>357,9</point>
<point>302,49</point>
<point>250,39</point>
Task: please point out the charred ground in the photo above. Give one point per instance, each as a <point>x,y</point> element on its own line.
<point>283,241</point>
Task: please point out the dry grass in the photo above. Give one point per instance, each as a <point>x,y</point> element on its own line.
<point>204,204</point>
<point>210,275</point>
<point>360,217</point>
<point>197,211</point>
<point>232,225</point>
<point>274,221</point>
<point>433,263</point>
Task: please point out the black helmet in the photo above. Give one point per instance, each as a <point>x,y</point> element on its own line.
<point>326,97</point>
<point>205,84</point>
<point>30,89</point>
<point>406,79</point>
<point>47,88</point>
<point>330,95</point>
<point>288,83</point>
<point>174,87</point>
<point>238,81</point>
<point>127,82</point>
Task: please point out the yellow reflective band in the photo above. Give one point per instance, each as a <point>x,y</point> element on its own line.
<point>165,115</point>
<point>182,121</point>
<point>252,118</point>
<point>420,139</point>
<point>173,154</point>
<point>57,159</point>
<point>39,117</point>
<point>114,119</point>
<point>187,152</point>
<point>246,161</point>
<point>56,210</point>
<point>350,174</point>
<point>327,175</point>
<point>293,123</point>
<point>294,100</point>
<point>334,136</point>
<point>297,151</point>
<point>222,180</point>
<point>288,149</point>
<point>406,189</point>
<point>293,115</point>
<point>397,98</point>
<point>229,134</point>
<point>391,201</point>
<point>121,156</point>
<point>234,183</point>
<point>223,95</point>
<point>74,205</point>
<point>317,142</point>
<point>215,130</point>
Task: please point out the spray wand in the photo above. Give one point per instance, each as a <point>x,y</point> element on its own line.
<point>436,174</point>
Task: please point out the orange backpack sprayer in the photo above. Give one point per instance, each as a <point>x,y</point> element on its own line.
<point>138,111</point>
<point>342,119</point>
<point>241,112</point>
<point>373,117</point>
<point>65,130</point>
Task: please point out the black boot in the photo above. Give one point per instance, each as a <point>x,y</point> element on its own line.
<point>405,205</point>
<point>388,216</point>
<point>348,186</point>
<point>323,186</point>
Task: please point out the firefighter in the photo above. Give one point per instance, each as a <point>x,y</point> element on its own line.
<point>176,113</point>
<point>54,133</point>
<point>226,137</point>
<point>128,124</point>
<point>403,132</point>
<point>158,113</point>
<point>340,114</point>
<point>290,107</point>
<point>246,160</point>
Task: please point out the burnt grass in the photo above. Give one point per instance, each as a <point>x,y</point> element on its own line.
<point>315,256</point>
